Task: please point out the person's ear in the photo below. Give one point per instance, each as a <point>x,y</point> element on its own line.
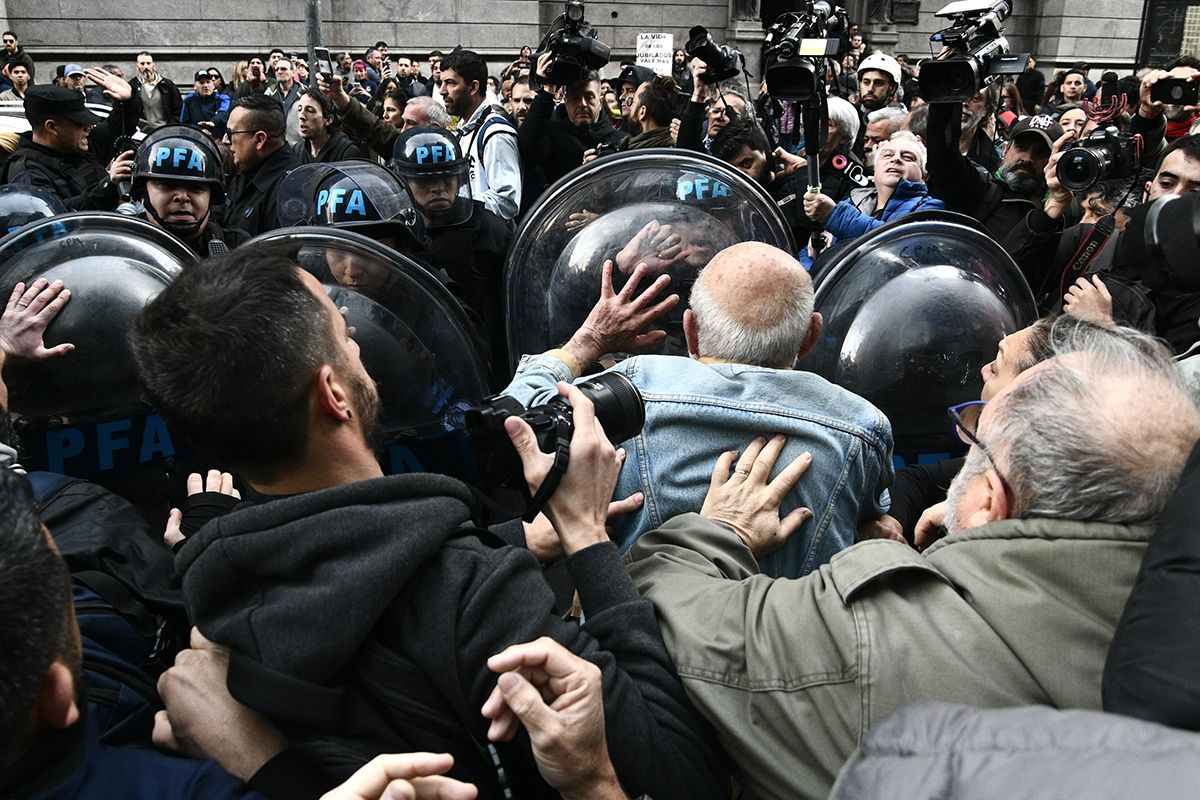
<point>56,704</point>
<point>811,336</point>
<point>993,501</point>
<point>689,333</point>
<point>333,397</point>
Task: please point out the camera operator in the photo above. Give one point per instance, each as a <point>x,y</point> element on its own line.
<point>554,138</point>
<point>727,104</point>
<point>1160,123</point>
<point>1000,200</point>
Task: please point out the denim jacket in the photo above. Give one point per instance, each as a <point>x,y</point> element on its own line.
<point>696,411</point>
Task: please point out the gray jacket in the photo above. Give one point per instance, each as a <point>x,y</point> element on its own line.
<point>942,751</point>
<point>792,673</point>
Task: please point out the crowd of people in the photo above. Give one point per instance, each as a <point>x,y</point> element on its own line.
<point>749,598</point>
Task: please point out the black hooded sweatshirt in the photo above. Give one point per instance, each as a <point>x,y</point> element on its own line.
<point>381,598</point>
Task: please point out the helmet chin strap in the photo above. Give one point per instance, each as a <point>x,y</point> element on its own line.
<point>187,231</point>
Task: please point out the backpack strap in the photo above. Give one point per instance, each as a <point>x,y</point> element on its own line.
<point>115,593</point>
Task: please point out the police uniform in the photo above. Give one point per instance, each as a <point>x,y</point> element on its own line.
<point>250,200</point>
<point>78,178</point>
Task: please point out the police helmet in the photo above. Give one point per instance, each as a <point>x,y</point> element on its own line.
<point>20,205</point>
<point>425,157</point>
<point>359,195</point>
<point>179,153</point>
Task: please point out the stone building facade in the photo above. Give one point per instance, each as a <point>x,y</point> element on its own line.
<point>1110,34</point>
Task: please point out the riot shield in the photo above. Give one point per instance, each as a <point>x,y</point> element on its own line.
<point>416,341</point>
<point>670,209</point>
<point>912,312</point>
<point>82,414</point>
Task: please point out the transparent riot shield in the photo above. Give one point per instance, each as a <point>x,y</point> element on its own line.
<point>417,343</point>
<point>912,312</point>
<point>670,209</point>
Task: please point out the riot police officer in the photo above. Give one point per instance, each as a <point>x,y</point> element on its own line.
<point>466,240</point>
<point>177,177</point>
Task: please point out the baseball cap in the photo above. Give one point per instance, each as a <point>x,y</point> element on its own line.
<point>72,69</point>
<point>635,75</point>
<point>47,100</point>
<point>202,75</point>
<point>1042,125</point>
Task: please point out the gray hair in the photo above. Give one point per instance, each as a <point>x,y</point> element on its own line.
<point>892,114</point>
<point>845,117</point>
<point>911,138</point>
<point>774,337</point>
<point>1100,433</point>
<point>435,112</point>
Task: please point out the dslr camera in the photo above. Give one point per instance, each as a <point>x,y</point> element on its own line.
<point>619,408</point>
<point>1103,154</point>
<point>723,62</point>
<point>977,51</point>
<point>576,49</point>
<point>796,47</point>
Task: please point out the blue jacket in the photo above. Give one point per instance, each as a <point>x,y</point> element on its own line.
<point>849,221</point>
<point>198,108</point>
<point>696,411</point>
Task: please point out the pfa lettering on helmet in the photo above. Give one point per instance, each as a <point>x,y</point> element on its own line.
<point>701,187</point>
<point>183,158</point>
<point>426,154</point>
<point>335,200</point>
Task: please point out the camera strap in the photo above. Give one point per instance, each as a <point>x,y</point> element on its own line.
<point>1085,254</point>
<point>562,459</point>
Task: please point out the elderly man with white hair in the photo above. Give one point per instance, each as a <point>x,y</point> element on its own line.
<point>1070,466</point>
<point>751,315</point>
<point>899,189</point>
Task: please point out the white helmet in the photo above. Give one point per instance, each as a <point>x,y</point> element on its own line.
<point>883,63</point>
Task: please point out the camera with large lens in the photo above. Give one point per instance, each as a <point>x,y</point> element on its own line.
<point>976,52</point>
<point>619,408</point>
<point>576,49</point>
<point>722,61</point>
<point>796,47</point>
<point>1103,154</point>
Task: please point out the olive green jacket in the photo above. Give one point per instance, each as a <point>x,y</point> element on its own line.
<point>791,673</point>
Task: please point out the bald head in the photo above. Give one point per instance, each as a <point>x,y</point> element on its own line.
<point>752,304</point>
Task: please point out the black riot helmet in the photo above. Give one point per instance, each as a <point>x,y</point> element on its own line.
<point>358,195</point>
<point>439,176</point>
<point>179,153</point>
<point>20,205</point>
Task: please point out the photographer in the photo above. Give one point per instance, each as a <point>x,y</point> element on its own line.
<point>726,105</point>
<point>1160,123</point>
<point>1000,200</point>
<point>554,138</point>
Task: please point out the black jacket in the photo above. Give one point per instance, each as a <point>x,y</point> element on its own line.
<point>338,148</point>
<point>1031,85</point>
<point>168,96</point>
<point>78,179</point>
<point>250,199</point>
<point>964,186</point>
<point>1153,666</point>
<point>316,591</point>
<point>550,141</point>
<point>8,59</point>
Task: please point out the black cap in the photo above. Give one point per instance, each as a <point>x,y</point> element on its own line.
<point>202,75</point>
<point>636,75</point>
<point>46,100</point>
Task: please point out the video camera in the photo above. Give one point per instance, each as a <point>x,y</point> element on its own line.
<point>619,408</point>
<point>797,45</point>
<point>1162,240</point>
<point>723,62</point>
<point>978,52</point>
<point>574,45</point>
<point>1103,154</point>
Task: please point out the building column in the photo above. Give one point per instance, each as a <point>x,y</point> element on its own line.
<point>745,32</point>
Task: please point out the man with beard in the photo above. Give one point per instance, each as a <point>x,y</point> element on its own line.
<point>467,240</point>
<point>1049,520</point>
<point>406,81</point>
<point>419,599</point>
<point>161,101</point>
<point>178,179</point>
<point>999,200</point>
<point>879,77</point>
<point>521,99</point>
<point>554,139</point>
<point>649,120</point>
<point>485,136</point>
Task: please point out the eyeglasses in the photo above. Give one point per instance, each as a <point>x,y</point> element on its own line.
<point>230,134</point>
<point>966,423</point>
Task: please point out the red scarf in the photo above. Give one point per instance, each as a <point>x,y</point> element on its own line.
<point>1177,129</point>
